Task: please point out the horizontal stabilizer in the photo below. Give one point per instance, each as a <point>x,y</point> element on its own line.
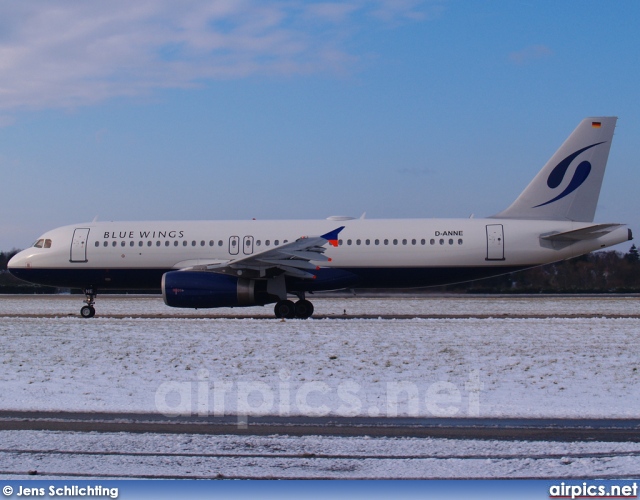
<point>586,233</point>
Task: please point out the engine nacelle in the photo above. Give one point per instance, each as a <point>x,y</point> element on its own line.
<point>205,290</point>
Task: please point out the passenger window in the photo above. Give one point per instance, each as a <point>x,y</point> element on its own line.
<point>358,242</point>
<point>193,243</point>
<point>413,242</point>
<point>386,242</point>
<point>267,243</point>
<point>441,241</point>
<point>38,244</point>
<point>140,243</point>
<point>339,242</point>
<point>395,242</point>
<point>257,243</point>
<point>404,242</point>
<point>211,243</point>
<point>97,243</point>
<point>423,241</point>
<point>285,242</point>
<point>148,243</point>
<point>377,242</point>
<point>157,243</point>
<point>460,241</point>
<point>113,244</point>
<point>432,241</point>
<point>166,243</point>
<point>348,242</point>
<point>106,244</point>
<point>450,241</point>
<point>202,243</point>
<point>276,243</point>
<point>184,243</point>
<point>131,243</point>
<point>175,243</point>
<point>367,242</point>
<point>123,243</point>
<point>220,243</point>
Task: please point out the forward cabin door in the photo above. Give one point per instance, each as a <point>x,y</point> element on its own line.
<point>79,245</point>
<point>495,242</point>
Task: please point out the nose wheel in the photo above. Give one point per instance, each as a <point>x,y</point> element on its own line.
<point>89,311</point>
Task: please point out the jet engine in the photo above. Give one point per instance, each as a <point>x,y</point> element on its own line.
<point>192,289</point>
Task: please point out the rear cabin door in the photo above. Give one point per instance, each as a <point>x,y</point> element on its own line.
<point>79,245</point>
<point>495,242</point>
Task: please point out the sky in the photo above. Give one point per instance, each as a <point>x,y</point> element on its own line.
<point>291,109</point>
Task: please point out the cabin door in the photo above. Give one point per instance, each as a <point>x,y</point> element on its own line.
<point>495,242</point>
<point>79,245</point>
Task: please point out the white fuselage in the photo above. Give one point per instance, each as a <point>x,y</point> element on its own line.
<point>420,252</point>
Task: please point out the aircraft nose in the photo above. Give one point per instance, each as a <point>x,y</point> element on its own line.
<point>19,260</point>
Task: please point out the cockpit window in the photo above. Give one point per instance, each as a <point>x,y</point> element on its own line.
<point>42,243</point>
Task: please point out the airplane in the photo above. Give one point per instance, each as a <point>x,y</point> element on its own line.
<point>208,264</point>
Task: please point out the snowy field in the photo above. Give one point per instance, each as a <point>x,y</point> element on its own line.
<point>495,367</point>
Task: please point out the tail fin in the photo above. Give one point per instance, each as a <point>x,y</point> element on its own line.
<point>568,186</point>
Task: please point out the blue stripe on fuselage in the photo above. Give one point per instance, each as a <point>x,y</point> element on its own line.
<point>327,278</point>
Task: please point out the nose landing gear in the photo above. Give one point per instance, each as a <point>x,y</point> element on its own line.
<point>89,311</point>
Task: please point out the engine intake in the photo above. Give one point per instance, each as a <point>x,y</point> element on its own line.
<point>202,290</point>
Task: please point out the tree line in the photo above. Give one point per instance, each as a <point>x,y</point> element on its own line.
<point>599,272</point>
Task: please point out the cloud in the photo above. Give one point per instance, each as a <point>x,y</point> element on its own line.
<point>531,53</point>
<point>65,53</point>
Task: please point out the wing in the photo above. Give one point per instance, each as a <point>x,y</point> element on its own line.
<point>297,259</point>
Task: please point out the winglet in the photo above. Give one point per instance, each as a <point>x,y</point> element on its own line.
<point>332,236</point>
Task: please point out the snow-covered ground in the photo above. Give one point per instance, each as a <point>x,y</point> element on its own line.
<point>326,306</point>
<point>430,367</point>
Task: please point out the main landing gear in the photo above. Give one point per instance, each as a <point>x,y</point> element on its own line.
<point>89,311</point>
<point>302,309</point>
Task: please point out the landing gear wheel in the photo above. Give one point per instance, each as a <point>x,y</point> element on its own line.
<point>285,309</point>
<point>304,309</point>
<point>87,312</point>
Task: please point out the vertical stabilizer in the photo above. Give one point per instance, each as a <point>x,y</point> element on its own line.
<point>568,186</point>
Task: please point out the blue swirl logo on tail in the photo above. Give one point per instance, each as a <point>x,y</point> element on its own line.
<point>579,176</point>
